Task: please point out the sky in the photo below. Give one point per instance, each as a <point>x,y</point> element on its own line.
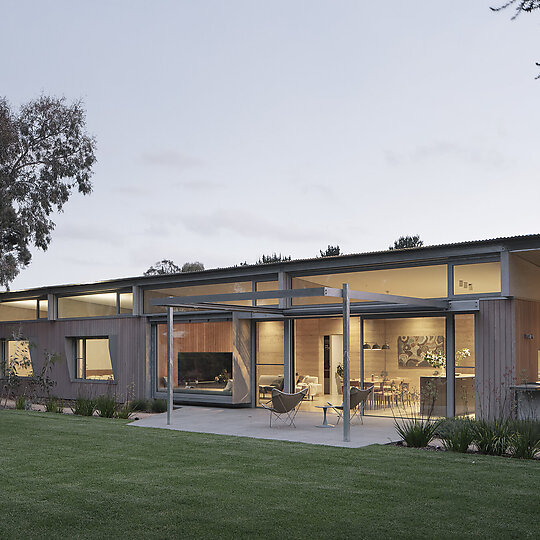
<point>230,129</point>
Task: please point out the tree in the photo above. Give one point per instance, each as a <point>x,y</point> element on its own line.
<point>404,242</point>
<point>195,266</point>
<point>520,6</point>
<point>267,259</point>
<point>162,267</point>
<point>166,266</point>
<point>330,251</point>
<point>45,154</point>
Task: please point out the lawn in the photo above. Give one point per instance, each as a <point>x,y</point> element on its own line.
<point>71,477</point>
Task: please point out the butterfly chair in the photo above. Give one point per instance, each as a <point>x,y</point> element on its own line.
<point>285,406</point>
<point>357,397</point>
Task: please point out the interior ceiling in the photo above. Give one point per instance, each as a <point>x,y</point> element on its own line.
<point>533,256</point>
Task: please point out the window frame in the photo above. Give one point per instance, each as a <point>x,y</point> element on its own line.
<point>117,313</point>
<point>4,358</point>
<point>75,360</point>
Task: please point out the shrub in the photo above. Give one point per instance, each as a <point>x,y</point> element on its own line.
<point>106,406</point>
<point>416,432</point>
<point>20,403</point>
<point>124,411</point>
<point>525,443</point>
<point>140,405</point>
<point>84,406</point>
<point>54,405</point>
<point>159,405</point>
<point>493,437</point>
<point>457,434</point>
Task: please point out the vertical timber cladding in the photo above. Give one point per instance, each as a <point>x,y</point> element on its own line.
<point>527,315</point>
<point>241,334</point>
<point>127,335</point>
<point>495,354</point>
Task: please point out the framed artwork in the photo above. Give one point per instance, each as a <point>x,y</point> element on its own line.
<point>411,350</point>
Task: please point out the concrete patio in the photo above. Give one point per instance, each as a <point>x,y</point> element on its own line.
<point>254,423</point>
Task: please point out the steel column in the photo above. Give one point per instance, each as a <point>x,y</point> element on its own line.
<point>287,357</point>
<point>450,366</point>
<point>346,364</point>
<point>170,370</point>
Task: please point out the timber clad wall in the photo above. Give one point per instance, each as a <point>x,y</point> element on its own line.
<point>127,335</point>
<point>495,371</point>
<point>527,317</point>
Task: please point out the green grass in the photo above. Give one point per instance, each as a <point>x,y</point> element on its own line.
<point>75,477</point>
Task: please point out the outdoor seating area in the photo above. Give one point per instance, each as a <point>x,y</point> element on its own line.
<point>253,423</point>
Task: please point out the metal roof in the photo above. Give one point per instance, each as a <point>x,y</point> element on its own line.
<point>530,241</point>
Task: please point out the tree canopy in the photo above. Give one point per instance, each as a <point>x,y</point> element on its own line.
<point>45,154</point>
<point>330,251</point>
<point>520,6</point>
<point>404,242</point>
<point>194,266</point>
<point>267,259</point>
<point>167,266</point>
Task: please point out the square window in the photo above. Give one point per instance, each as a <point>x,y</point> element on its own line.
<point>92,359</point>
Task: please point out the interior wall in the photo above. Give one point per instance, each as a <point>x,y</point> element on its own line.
<point>527,321</point>
<point>524,278</point>
<point>309,342</point>
<point>16,312</point>
<point>71,307</point>
<point>387,331</point>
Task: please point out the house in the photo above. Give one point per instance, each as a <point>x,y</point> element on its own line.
<point>238,332</point>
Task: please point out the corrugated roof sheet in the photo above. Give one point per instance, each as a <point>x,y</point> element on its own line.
<point>296,261</point>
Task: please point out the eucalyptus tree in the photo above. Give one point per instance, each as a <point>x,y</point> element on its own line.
<point>45,155</point>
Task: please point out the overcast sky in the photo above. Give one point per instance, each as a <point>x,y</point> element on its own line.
<point>229,129</point>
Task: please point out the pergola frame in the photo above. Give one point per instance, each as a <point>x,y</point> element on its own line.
<point>218,302</point>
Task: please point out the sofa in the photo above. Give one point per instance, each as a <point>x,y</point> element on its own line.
<point>268,382</point>
<point>312,383</point>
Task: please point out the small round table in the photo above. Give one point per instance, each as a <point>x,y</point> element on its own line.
<point>325,424</point>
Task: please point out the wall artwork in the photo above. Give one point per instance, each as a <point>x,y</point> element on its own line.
<point>411,350</point>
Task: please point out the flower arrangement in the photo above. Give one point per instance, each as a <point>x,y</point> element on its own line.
<point>461,355</point>
<point>438,361</point>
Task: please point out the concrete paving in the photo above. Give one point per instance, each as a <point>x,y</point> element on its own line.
<point>254,423</point>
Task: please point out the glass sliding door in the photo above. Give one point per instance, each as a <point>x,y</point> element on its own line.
<point>318,357</point>
<point>270,358</point>
<point>404,362</point>
<point>464,384</point>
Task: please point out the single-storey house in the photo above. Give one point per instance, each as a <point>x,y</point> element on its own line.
<point>459,322</point>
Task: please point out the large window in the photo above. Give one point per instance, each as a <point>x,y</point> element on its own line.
<point>267,286</point>
<point>15,358</point>
<point>319,357</point>
<point>270,357</point>
<point>18,310</point>
<point>202,357</point>
<point>195,290</point>
<point>464,386</point>
<point>396,363</point>
<point>92,359</point>
<point>478,278</point>
<point>418,282</point>
<point>95,305</point>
